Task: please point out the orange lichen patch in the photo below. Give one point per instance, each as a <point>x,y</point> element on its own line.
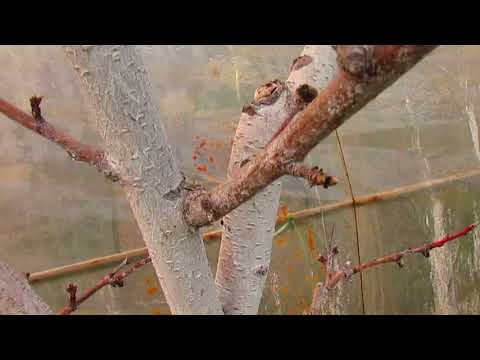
<point>219,145</point>
<point>157,311</point>
<point>212,235</point>
<point>282,212</point>
<point>311,238</point>
<point>284,291</point>
<point>281,240</point>
<point>152,290</point>
<point>290,268</point>
<point>202,167</point>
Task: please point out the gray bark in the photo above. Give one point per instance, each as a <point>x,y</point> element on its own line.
<point>246,245</point>
<point>17,297</point>
<point>120,95</point>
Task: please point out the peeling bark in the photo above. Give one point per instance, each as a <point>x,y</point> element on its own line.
<point>120,93</point>
<point>17,297</point>
<point>246,245</point>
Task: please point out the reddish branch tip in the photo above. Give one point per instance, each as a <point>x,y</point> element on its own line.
<point>393,258</point>
<point>35,102</point>
<point>315,176</point>
<point>72,299</point>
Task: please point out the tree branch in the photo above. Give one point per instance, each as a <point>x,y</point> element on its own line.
<point>17,297</point>
<point>333,277</point>
<point>117,88</point>
<point>315,176</point>
<point>243,265</point>
<point>364,72</point>
<point>74,148</point>
<point>115,278</point>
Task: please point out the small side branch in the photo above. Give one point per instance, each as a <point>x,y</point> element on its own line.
<point>115,278</point>
<point>72,299</point>
<point>333,277</point>
<point>364,72</point>
<point>74,148</point>
<point>315,176</point>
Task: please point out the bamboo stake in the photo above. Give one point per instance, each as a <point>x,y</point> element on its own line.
<point>100,261</point>
<point>298,215</point>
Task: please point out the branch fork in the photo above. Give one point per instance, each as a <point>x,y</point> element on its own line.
<point>115,279</point>
<point>364,72</point>
<point>333,277</point>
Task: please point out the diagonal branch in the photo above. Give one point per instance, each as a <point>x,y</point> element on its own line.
<point>333,277</point>
<point>364,72</point>
<point>75,149</point>
<point>115,278</point>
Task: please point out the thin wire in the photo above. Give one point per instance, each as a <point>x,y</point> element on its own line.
<point>354,207</point>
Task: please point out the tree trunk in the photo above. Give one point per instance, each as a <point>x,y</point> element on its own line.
<point>136,143</point>
<point>246,245</point>
<point>17,297</point>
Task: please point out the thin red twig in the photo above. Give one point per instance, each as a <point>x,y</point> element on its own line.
<point>77,150</point>
<point>333,278</point>
<point>114,279</point>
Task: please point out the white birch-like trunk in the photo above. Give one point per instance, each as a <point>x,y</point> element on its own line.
<point>246,245</point>
<point>17,297</point>
<point>136,145</point>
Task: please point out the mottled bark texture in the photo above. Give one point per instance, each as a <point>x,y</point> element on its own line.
<point>246,245</point>
<point>364,71</point>
<point>17,297</point>
<point>136,145</point>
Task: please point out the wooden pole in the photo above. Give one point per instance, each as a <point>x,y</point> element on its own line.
<point>302,214</point>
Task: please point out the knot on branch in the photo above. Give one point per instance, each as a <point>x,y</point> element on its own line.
<point>300,61</point>
<point>348,270</point>
<point>315,176</point>
<point>305,94</point>
<point>269,93</point>
<point>261,270</point>
<point>197,204</point>
<point>328,260</point>
<point>103,165</point>
<point>356,60</point>
<point>249,110</point>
